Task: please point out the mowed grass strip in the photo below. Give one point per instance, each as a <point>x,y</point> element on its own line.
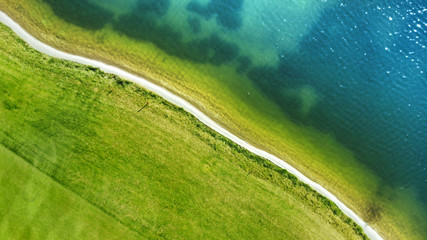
<point>33,206</point>
<point>79,158</point>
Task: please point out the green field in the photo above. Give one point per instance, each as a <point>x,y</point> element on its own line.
<point>390,211</point>
<point>79,162</point>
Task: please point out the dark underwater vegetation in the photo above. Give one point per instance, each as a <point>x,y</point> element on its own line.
<point>81,12</point>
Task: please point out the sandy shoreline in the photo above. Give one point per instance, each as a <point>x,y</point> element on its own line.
<point>188,107</point>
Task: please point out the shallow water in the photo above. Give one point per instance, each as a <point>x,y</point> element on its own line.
<point>355,69</point>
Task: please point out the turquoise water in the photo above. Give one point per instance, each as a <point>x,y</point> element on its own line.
<point>355,69</point>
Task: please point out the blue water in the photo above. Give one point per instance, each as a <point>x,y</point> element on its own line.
<point>355,69</point>
<point>368,60</point>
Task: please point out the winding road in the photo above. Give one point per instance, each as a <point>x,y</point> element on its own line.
<point>169,96</point>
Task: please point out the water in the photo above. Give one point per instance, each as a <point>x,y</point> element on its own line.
<point>356,69</point>
<point>371,71</point>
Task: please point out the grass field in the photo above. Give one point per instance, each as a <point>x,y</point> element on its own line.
<point>391,211</point>
<point>79,162</point>
<point>34,206</point>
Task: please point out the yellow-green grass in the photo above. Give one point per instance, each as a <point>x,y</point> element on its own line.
<point>78,161</point>
<point>250,116</point>
<point>34,206</point>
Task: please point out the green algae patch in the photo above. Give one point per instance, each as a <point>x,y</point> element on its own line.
<point>305,99</point>
<point>246,112</point>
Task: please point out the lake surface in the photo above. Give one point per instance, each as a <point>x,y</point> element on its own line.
<point>354,69</point>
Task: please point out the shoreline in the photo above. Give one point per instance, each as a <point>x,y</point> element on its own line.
<point>169,96</point>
